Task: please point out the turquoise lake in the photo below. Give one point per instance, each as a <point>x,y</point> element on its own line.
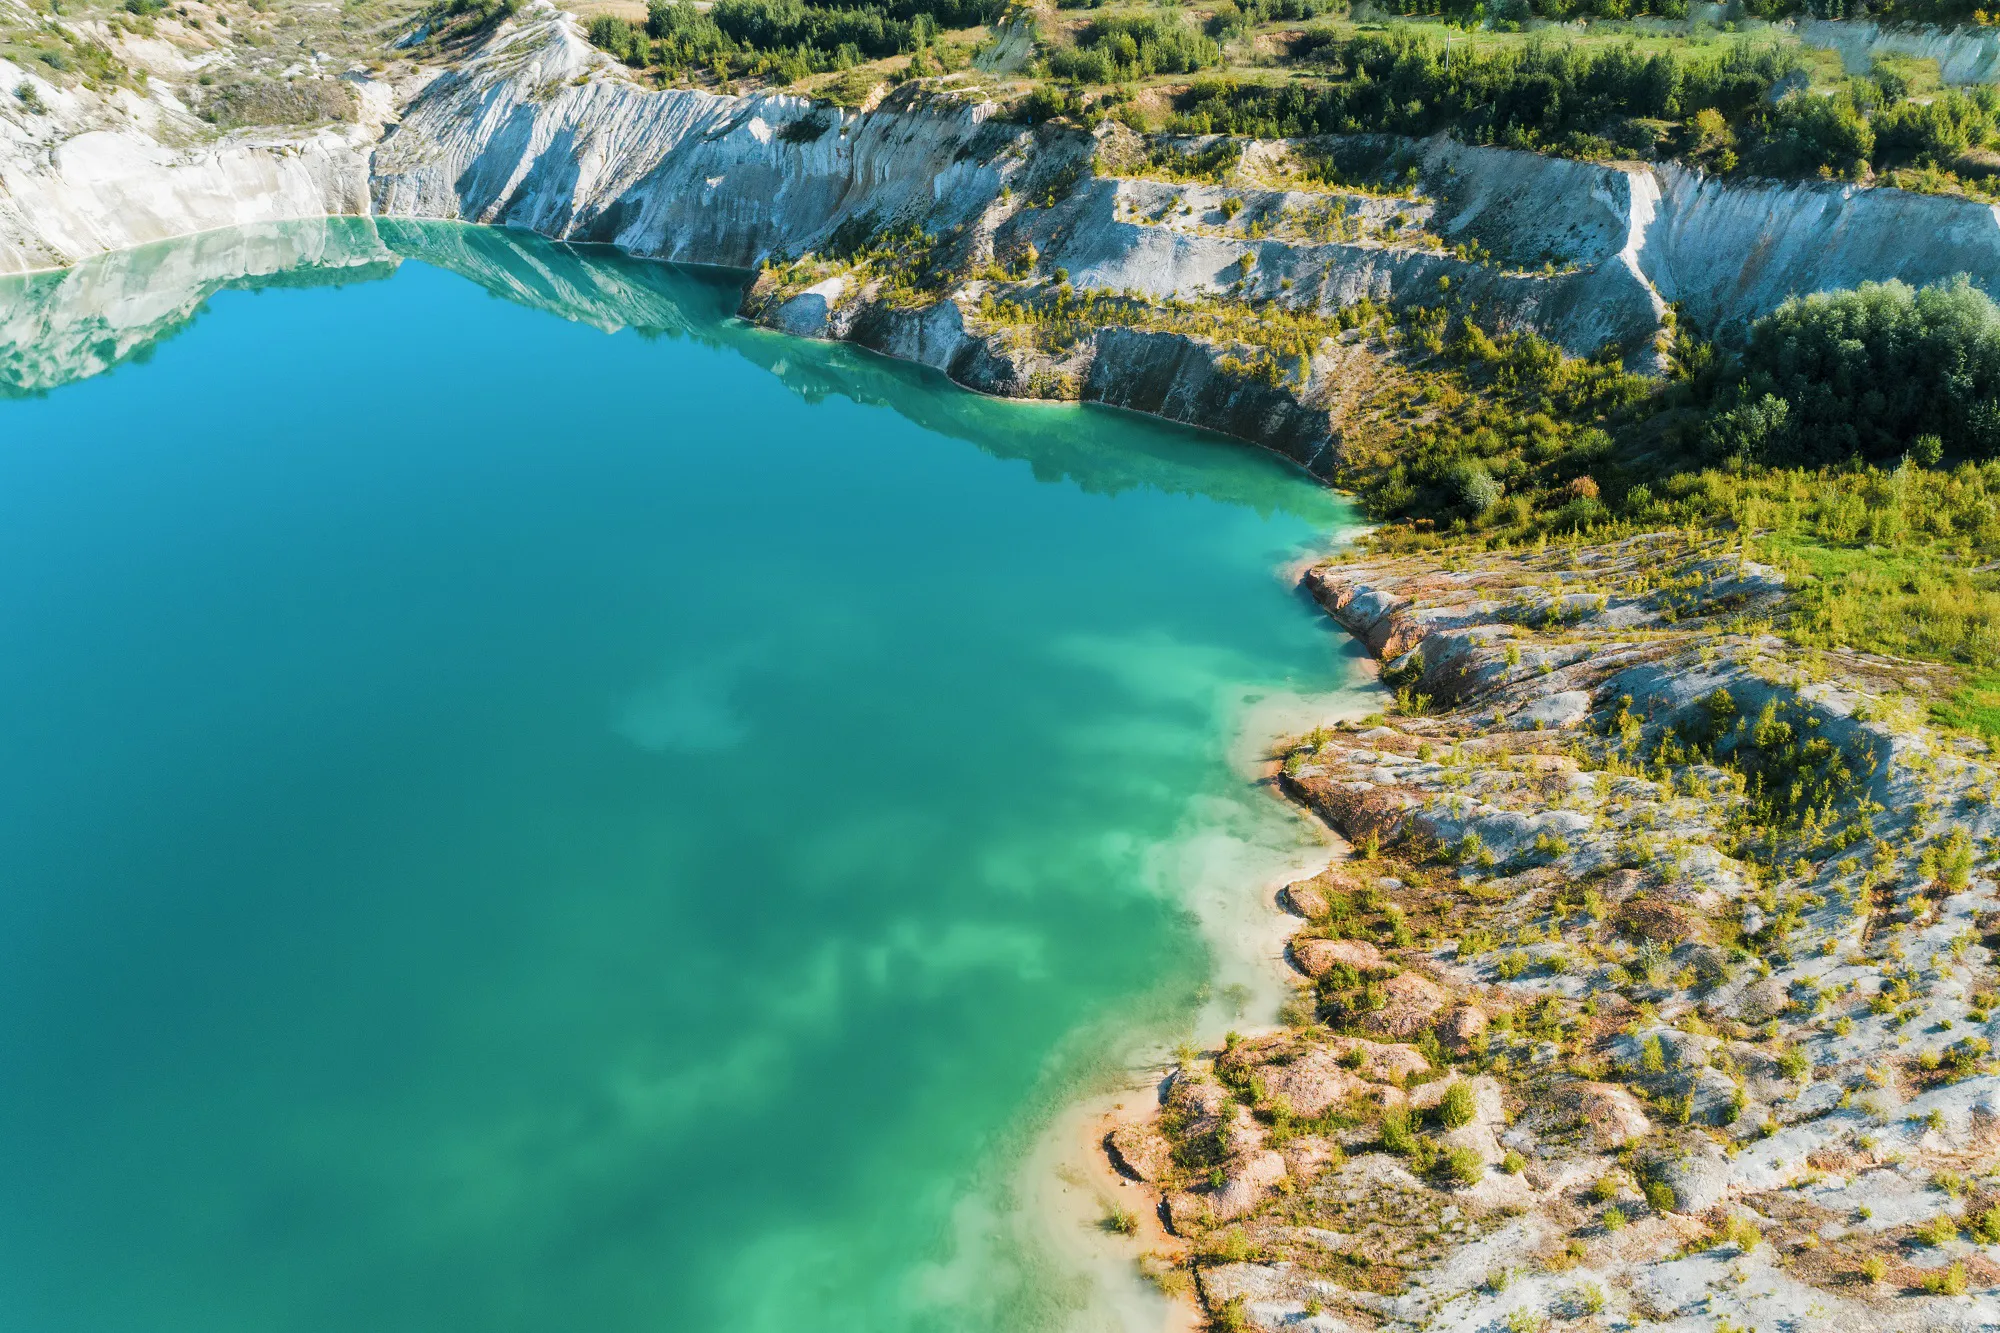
<point>527,804</point>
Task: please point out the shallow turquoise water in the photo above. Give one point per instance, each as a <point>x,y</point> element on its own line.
<point>509,827</point>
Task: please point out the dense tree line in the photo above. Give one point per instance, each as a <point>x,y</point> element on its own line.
<point>1401,82</point>
<point>1743,107</point>
<point>1872,374</point>
<point>1232,19</point>
<point>789,38</point>
<point>1113,50</point>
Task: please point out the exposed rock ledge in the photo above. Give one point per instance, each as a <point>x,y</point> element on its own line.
<point>536,129</point>
<point>1699,1083</point>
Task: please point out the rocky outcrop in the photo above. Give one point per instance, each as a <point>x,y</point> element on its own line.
<point>536,129</point>
<point>1141,1152</point>
<point>1644,1047</point>
<point>1317,957</point>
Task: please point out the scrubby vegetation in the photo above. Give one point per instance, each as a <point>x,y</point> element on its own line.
<point>243,102</point>
<point>62,56</point>
<point>1850,446</point>
<point>1122,47</point>
<point>451,21</point>
<point>1518,11</point>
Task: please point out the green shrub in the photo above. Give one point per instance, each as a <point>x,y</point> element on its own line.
<point>1947,1282</point>
<point>1476,490</point>
<point>1211,162</point>
<point>1940,1231</point>
<point>1465,1166</point>
<point>618,37</point>
<point>786,38</point>
<point>1046,103</point>
<point>1458,1106</point>
<point>1399,1135</point>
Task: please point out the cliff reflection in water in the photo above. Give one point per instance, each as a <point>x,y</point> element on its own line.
<point>60,327</point>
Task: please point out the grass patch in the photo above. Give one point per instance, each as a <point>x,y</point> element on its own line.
<point>1974,708</point>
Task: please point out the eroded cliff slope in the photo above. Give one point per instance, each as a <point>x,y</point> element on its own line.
<point>532,127</point>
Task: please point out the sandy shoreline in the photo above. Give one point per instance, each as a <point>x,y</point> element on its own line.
<point>1069,1185</point>
<point>1070,1191</point>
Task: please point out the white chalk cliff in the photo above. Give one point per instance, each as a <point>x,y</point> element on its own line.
<point>536,129</point>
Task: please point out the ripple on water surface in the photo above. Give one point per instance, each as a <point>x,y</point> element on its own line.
<point>569,812</point>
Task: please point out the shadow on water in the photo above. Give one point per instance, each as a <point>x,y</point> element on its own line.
<point>60,327</point>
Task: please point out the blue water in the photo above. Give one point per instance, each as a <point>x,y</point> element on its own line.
<point>509,826</point>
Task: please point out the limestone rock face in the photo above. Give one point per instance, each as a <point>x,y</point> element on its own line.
<point>1462,1028</point>
<point>1195,1095</point>
<point>1247,1184</point>
<point>810,314</point>
<point>1413,1004</point>
<point>539,130</point>
<point>1314,1082</point>
<point>1306,899</point>
<point>1318,957</point>
<point>1385,1062</point>
<point>535,128</point>
<point>1761,1001</point>
<point>1698,1180</point>
<point>1564,709</point>
<point>1612,1117</point>
<point>1310,1074</point>
<point>1657,918</point>
<point>1964,55</point>
<point>1187,1213</point>
<point>1141,1151</point>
